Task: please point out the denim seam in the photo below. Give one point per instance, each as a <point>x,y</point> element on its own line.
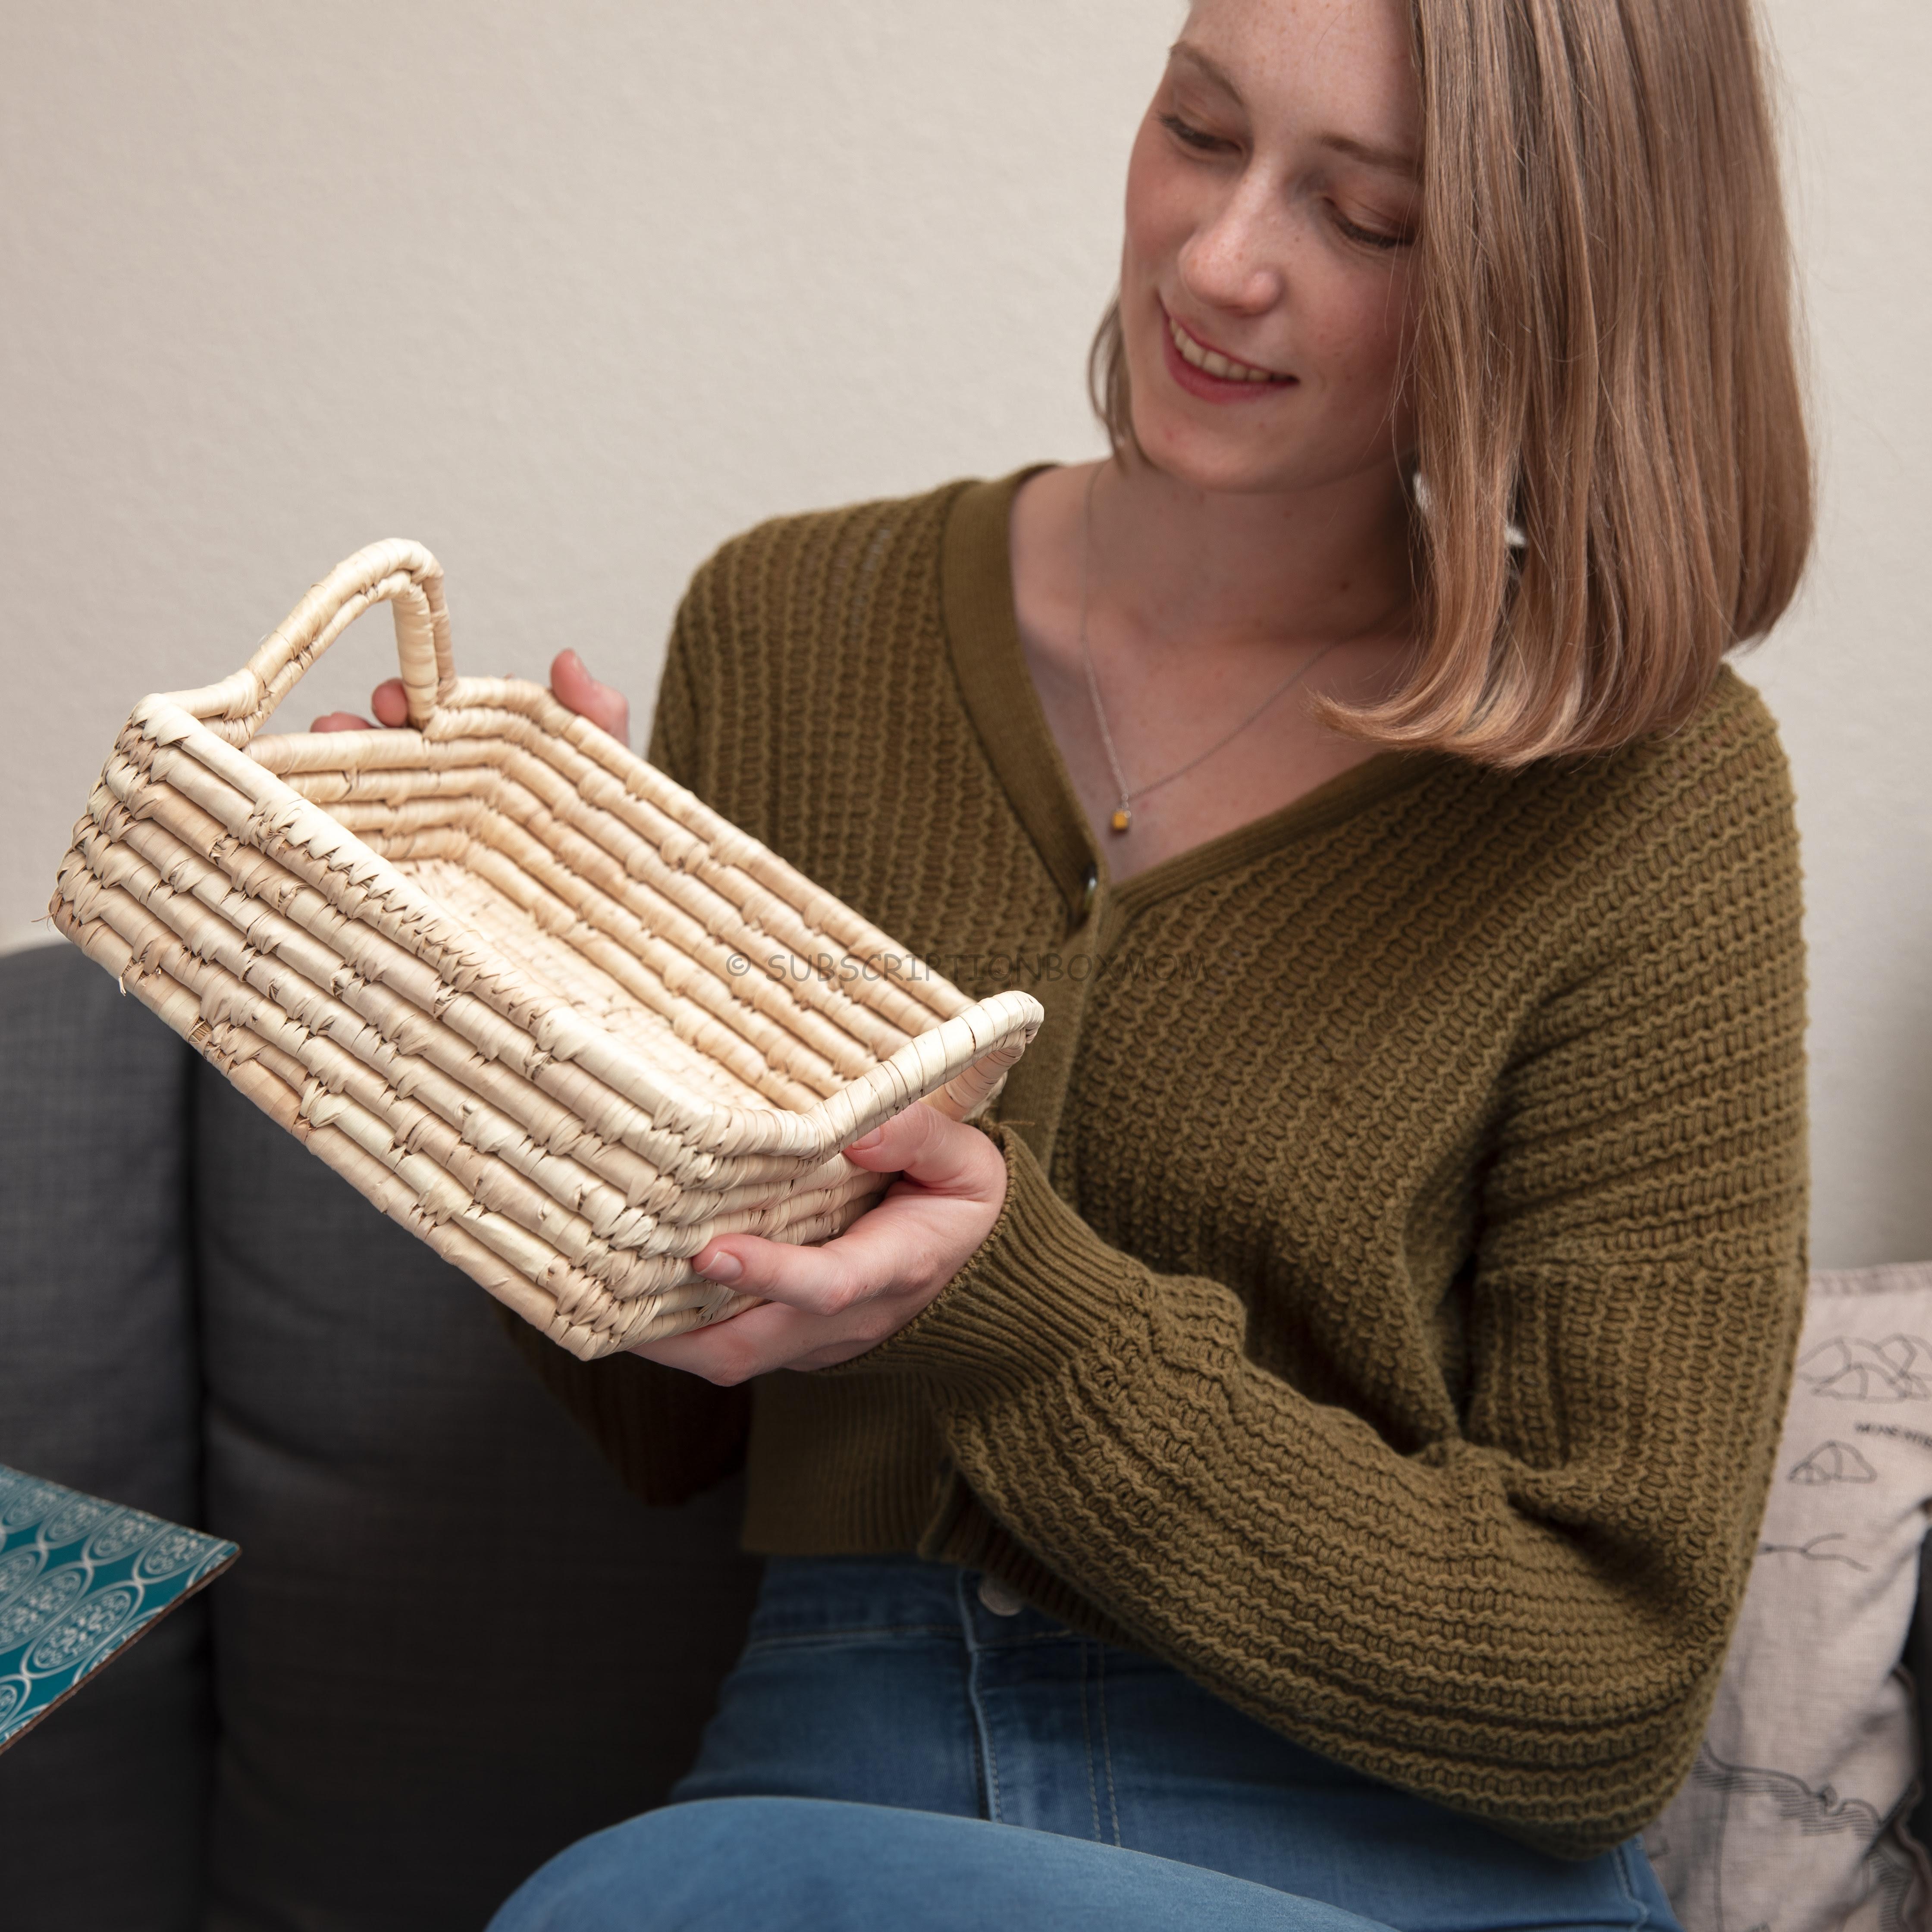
<point>1622,1858</point>
<point>1106,1740</point>
<point>1087,1738</point>
<point>989,1763</point>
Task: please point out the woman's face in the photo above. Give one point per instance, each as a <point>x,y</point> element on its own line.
<point>1266,278</point>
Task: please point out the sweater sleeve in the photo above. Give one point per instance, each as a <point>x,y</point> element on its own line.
<point>669,1435</point>
<point>1525,1619</point>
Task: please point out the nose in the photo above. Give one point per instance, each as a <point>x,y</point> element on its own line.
<point>1234,260</point>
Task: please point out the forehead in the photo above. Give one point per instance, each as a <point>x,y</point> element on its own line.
<point>1310,67</point>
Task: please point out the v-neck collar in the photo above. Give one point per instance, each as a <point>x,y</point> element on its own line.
<point>982,632</point>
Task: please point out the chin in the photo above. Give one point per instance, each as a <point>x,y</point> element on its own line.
<point>1256,458</point>
<point>1201,459</point>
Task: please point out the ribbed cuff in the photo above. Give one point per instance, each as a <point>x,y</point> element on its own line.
<point>1041,1289</point>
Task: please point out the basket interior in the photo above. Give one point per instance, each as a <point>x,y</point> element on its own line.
<point>632,911</point>
<point>547,958</point>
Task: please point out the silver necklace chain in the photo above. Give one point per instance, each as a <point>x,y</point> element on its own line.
<point>1122,818</point>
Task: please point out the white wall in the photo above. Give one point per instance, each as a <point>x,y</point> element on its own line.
<point>572,290</point>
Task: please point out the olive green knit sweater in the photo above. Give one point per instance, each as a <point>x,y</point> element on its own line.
<point>1393,1305</point>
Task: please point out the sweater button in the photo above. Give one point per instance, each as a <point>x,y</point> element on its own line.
<point>999,1599</point>
<point>1090,887</point>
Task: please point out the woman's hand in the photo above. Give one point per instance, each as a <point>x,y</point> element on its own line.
<point>826,1304</point>
<point>571,684</point>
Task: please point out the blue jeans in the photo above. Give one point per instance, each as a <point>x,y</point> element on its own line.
<point>919,1704</point>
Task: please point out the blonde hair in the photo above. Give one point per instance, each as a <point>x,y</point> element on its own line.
<point>1602,356</point>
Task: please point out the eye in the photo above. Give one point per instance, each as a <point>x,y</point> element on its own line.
<point>1369,238</point>
<point>1189,135</point>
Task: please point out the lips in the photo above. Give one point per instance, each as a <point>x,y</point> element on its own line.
<point>1224,368</point>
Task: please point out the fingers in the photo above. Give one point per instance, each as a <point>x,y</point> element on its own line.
<point>390,703</point>
<point>750,1344</point>
<point>952,1184</point>
<point>944,1156</point>
<point>820,1281</point>
<point>820,1305</point>
<point>610,710</point>
<point>910,1246</point>
<point>767,1337</point>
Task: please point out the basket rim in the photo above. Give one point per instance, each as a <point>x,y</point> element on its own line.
<point>557,1029</point>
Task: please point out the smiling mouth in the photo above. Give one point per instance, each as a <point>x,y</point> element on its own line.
<point>1212,362</point>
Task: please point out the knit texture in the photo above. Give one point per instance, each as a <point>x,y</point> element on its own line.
<point>1393,1305</point>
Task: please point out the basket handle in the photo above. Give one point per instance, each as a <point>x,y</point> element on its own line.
<point>396,571</point>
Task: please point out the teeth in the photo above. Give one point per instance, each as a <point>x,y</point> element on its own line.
<point>1212,360</point>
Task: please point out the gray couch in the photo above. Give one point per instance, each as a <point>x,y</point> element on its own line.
<point>453,1643</point>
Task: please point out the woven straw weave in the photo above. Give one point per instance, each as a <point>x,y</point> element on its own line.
<point>530,997</point>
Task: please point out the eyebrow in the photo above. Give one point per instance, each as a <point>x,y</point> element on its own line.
<point>1391,160</point>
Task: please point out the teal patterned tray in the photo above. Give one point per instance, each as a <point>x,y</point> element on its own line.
<point>80,1578</point>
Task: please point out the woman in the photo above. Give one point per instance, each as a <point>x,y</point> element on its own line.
<point>1316,1433</point>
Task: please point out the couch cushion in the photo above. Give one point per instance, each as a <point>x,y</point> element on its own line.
<point>1795,1814</point>
<point>453,1642</point>
<point>99,1390</point>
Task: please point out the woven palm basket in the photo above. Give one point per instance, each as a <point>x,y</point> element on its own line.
<point>527,994</point>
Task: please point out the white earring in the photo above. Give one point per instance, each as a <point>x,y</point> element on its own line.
<point>1514,535</point>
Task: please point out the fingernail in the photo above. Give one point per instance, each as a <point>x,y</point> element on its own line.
<point>721,1267</point>
<point>870,1140</point>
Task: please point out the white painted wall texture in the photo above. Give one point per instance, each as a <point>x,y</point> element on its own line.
<point>572,291</point>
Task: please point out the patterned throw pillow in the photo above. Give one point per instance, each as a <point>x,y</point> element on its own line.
<point>1794,1816</point>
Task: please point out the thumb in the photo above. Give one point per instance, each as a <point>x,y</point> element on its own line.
<point>944,1155</point>
<point>610,710</point>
